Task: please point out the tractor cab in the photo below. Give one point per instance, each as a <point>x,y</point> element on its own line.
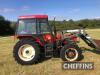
<point>37,27</point>
<point>33,24</point>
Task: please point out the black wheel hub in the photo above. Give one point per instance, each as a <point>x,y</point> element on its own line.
<point>27,52</point>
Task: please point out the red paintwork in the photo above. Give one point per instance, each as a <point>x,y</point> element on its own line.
<point>73,37</point>
<point>37,40</point>
<point>65,42</point>
<point>32,16</point>
<point>23,36</point>
<point>58,37</point>
<point>47,37</point>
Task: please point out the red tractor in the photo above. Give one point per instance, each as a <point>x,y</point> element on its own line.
<point>38,39</point>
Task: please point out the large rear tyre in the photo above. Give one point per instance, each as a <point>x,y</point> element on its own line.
<point>70,53</point>
<point>26,52</point>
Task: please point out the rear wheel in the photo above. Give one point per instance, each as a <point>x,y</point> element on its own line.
<point>70,53</point>
<point>26,52</point>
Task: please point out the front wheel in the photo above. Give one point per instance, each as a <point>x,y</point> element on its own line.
<point>26,52</point>
<point>70,53</point>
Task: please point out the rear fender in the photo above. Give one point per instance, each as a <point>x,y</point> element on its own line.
<point>36,40</point>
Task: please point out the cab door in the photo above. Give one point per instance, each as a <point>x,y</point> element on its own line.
<point>45,34</point>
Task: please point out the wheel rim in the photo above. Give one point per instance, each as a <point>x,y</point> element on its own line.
<point>71,54</point>
<point>26,52</point>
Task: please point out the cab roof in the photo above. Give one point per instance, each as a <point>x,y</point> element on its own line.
<point>32,16</point>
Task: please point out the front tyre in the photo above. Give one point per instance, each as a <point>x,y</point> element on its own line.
<point>70,53</point>
<point>26,52</point>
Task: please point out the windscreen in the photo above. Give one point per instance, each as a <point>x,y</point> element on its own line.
<point>43,26</point>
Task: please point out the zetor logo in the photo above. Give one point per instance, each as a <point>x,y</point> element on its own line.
<point>78,65</point>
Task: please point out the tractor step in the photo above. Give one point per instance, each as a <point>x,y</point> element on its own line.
<point>48,50</point>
